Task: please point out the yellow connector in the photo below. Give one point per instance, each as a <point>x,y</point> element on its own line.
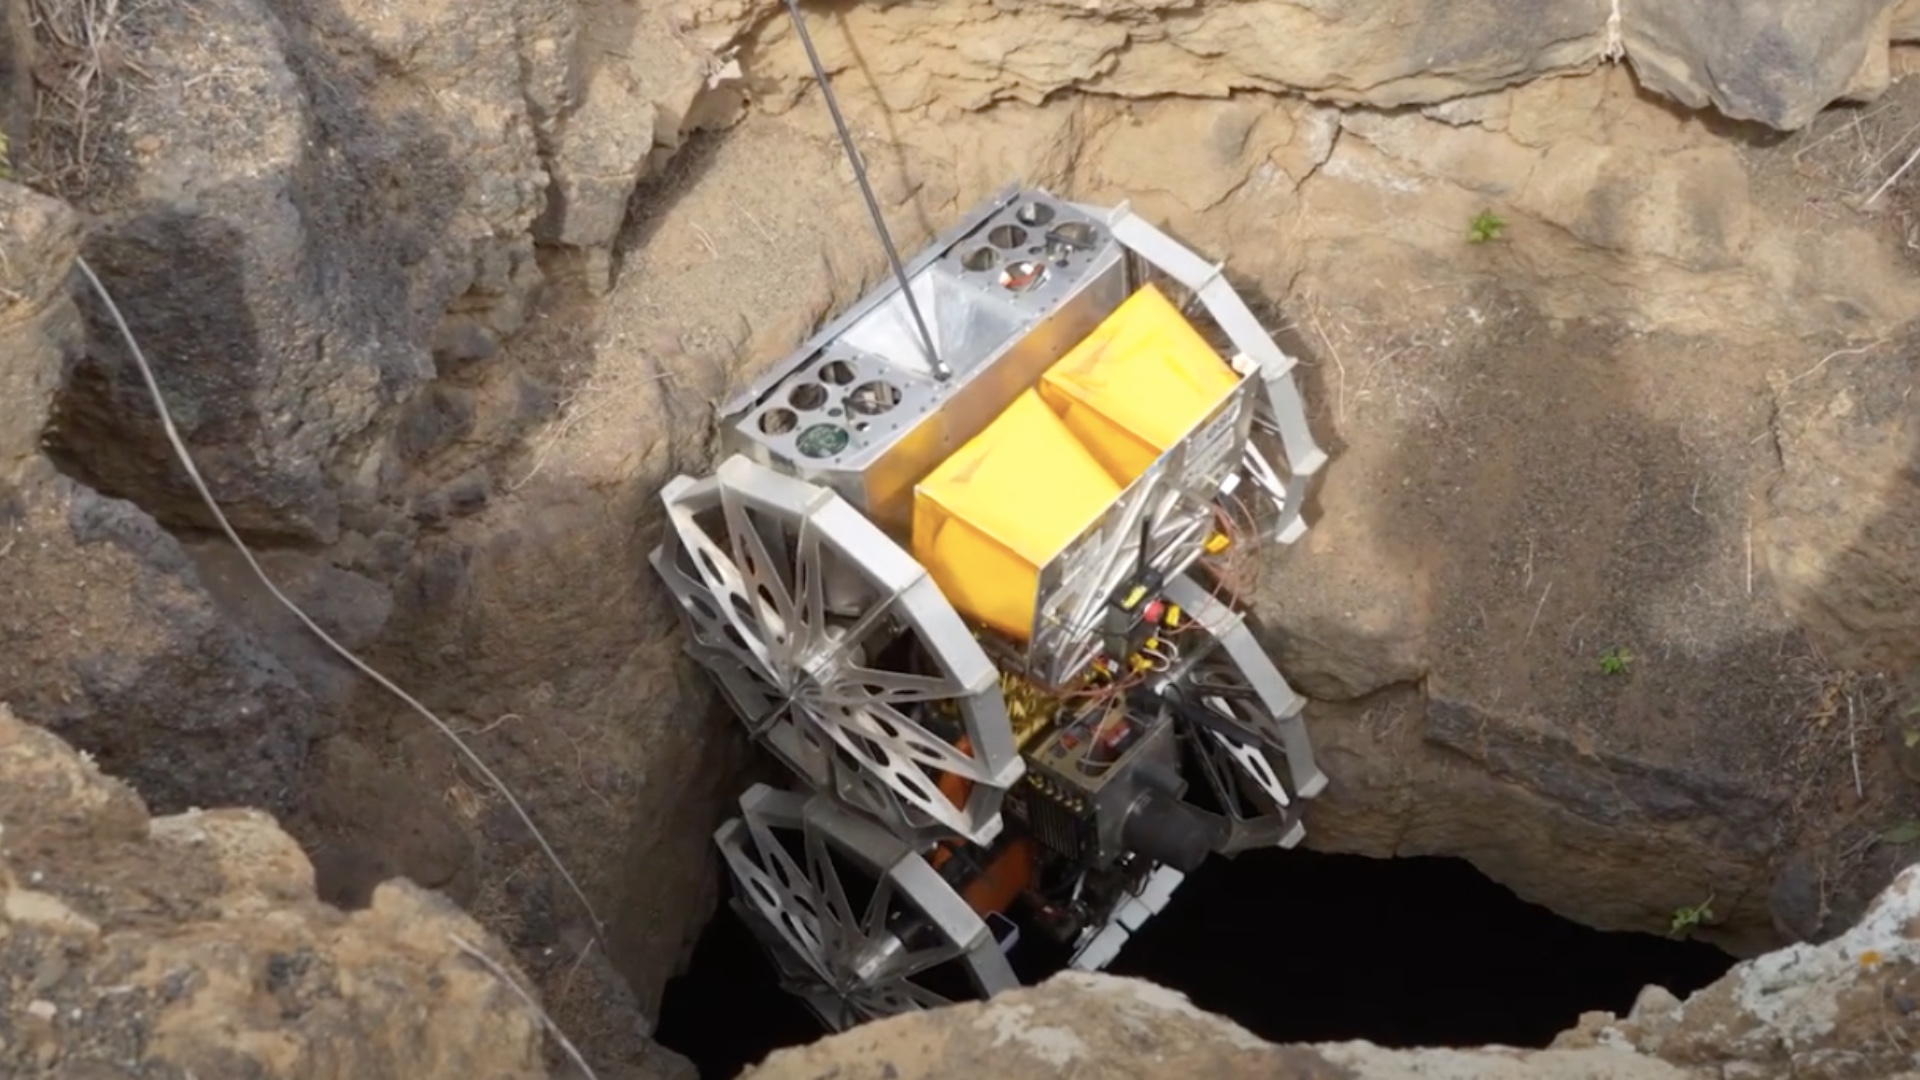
<point>1171,617</point>
<point>1217,543</point>
<point>1134,596</point>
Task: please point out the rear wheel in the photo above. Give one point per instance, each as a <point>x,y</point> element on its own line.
<point>859,924</point>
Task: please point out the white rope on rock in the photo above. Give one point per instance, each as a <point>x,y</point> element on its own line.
<point>200,485</point>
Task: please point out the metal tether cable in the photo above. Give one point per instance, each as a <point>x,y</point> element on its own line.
<point>940,369</point>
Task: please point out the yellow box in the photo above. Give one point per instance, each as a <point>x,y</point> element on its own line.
<point>1139,383</point>
<point>990,516</point>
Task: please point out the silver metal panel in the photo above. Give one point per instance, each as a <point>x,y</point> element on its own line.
<point>1023,279</point>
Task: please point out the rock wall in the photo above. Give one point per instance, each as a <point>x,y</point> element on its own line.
<point>1844,1009</point>
<point>355,240</point>
<point>322,222</point>
<point>1777,62</point>
<point>107,635</point>
<point>193,945</point>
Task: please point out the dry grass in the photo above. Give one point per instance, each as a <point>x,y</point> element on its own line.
<point>1867,159</point>
<point>1856,150</point>
<point>82,59</point>
<point>1834,757</point>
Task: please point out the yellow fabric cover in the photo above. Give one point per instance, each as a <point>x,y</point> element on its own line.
<point>991,515</point>
<point>1138,384</point>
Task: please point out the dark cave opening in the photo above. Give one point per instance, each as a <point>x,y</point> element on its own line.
<point>1295,946</point>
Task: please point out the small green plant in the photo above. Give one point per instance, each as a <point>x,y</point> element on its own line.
<point>1688,919</point>
<point>1615,661</point>
<point>1485,226</point>
<point>1904,833</point>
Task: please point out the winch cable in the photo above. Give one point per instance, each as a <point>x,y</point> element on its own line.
<point>199,483</point>
<point>940,369</point>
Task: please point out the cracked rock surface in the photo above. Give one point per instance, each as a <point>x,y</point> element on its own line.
<point>192,945</point>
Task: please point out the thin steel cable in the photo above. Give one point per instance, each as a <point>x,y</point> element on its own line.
<point>940,369</point>
<point>206,496</point>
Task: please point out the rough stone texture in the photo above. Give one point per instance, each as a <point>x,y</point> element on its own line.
<point>300,197</point>
<point>106,634</point>
<point>192,945</point>
<point>1777,61</point>
<point>40,237</point>
<point>1843,537</point>
<point>350,607</point>
<point>1843,1009</point>
<point>108,638</point>
<point>969,56</point>
<point>645,86</point>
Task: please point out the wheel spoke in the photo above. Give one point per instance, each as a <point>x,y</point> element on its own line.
<point>727,583</point>
<point>879,906</point>
<point>809,589</point>
<point>920,961</point>
<point>837,922</point>
<point>858,685</point>
<point>767,592</point>
<point>900,735</point>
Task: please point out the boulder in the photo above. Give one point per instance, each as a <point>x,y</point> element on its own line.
<point>108,637</point>
<point>1778,62</point>
<point>193,945</point>
<point>106,633</point>
<point>647,87</point>
<point>302,196</point>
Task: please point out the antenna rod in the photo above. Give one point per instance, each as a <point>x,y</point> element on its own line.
<point>940,369</point>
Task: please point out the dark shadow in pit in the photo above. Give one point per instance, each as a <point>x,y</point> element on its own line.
<point>1294,946</point>
<point>1302,946</point>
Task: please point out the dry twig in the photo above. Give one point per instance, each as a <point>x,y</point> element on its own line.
<point>500,972</point>
<point>82,56</point>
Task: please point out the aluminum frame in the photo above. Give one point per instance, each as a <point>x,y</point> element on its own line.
<point>788,572</point>
<point>996,339</point>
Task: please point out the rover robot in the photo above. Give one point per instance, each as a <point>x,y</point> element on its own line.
<point>980,590</point>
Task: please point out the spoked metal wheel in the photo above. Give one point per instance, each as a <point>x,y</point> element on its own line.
<point>860,925</point>
<point>1237,789</point>
<point>839,651</point>
<point>1242,729</point>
